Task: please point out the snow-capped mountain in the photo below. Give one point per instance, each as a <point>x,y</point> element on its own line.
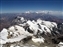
<point>38,31</point>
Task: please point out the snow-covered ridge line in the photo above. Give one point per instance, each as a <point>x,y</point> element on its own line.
<point>38,30</point>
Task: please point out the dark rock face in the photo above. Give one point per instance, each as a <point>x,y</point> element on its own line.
<point>55,41</point>
<point>60,28</point>
<point>26,39</point>
<point>58,33</point>
<point>30,31</point>
<point>60,38</point>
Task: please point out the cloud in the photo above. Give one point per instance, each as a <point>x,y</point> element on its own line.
<point>58,13</point>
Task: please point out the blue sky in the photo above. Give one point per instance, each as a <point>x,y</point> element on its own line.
<point>18,6</point>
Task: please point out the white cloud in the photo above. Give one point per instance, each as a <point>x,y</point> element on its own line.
<point>56,13</point>
<point>27,12</point>
<point>47,12</point>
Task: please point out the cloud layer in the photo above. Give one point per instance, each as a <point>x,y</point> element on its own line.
<point>58,13</point>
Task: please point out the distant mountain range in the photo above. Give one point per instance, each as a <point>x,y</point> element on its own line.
<point>7,18</point>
